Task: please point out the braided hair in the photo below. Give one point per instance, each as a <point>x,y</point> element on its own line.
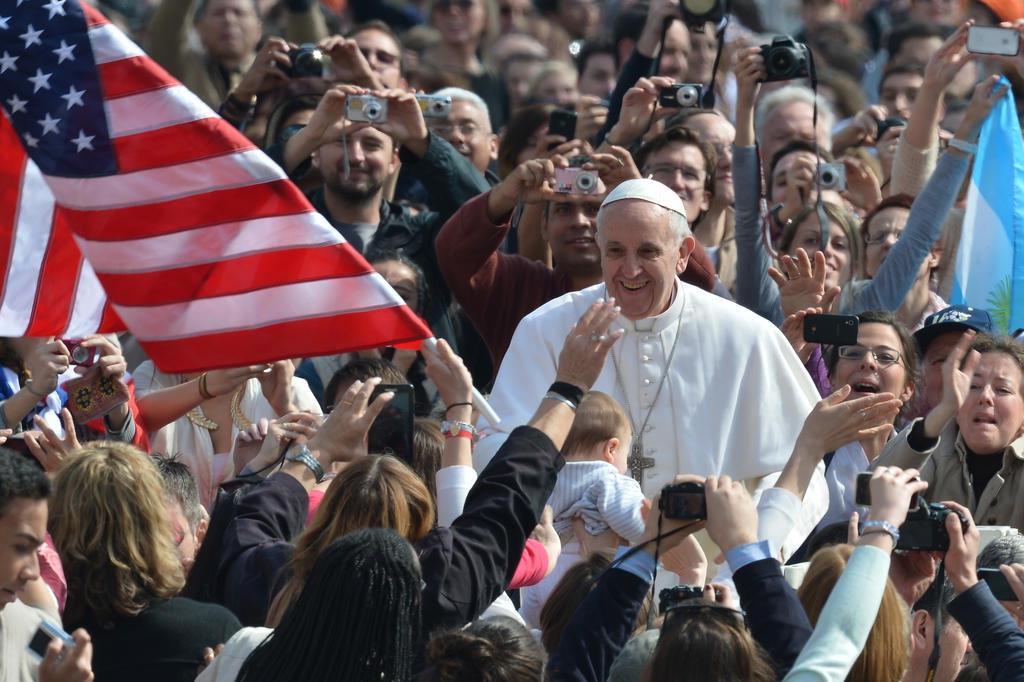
<point>357,618</point>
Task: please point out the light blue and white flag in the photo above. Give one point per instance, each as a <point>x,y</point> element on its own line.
<point>990,261</point>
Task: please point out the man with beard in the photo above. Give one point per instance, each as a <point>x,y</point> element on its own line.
<point>355,159</point>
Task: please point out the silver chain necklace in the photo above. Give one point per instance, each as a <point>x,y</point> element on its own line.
<point>636,460</point>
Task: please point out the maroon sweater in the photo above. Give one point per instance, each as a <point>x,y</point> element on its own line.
<point>498,289</point>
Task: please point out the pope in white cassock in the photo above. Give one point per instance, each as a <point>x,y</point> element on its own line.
<point>710,387</point>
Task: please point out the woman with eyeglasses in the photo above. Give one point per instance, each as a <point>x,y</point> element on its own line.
<point>884,360</point>
<point>970,447</point>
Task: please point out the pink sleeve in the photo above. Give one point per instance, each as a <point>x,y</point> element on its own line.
<point>533,565</point>
<point>52,572</point>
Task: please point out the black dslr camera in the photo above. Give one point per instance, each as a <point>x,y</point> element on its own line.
<point>684,501</point>
<point>785,59</point>
<point>671,597</point>
<point>307,61</point>
<point>925,528</point>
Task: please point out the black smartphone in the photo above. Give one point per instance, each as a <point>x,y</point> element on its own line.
<point>391,432</point>
<point>998,583</point>
<point>45,633</point>
<point>862,493</point>
<point>562,122</point>
<point>831,330</point>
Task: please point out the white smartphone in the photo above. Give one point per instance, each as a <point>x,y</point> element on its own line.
<point>993,40</point>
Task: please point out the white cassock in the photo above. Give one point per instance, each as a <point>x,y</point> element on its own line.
<point>735,398</point>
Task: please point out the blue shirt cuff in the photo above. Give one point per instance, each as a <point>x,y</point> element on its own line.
<point>640,564</point>
<point>741,555</point>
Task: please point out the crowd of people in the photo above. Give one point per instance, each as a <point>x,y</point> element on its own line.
<point>698,261</point>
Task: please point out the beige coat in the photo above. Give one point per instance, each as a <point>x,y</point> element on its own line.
<point>944,467</point>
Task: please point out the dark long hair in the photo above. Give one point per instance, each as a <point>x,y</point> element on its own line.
<point>357,618</point>
<point>495,649</point>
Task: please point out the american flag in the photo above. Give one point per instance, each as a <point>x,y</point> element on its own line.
<point>192,238</point>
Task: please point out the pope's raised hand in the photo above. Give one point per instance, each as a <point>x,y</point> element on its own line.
<point>587,345</point>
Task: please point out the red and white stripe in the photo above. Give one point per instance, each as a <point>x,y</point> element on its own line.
<point>207,252</point>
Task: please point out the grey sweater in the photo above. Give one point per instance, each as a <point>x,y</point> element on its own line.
<point>756,290</point>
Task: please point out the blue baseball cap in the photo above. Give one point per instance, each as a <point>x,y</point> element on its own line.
<point>952,319</point>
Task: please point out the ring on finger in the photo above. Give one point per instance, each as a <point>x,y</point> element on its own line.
<point>596,337</point>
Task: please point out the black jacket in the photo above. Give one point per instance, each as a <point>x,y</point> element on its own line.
<point>994,635</point>
<point>451,181</point>
<point>776,618</point>
<point>465,567</point>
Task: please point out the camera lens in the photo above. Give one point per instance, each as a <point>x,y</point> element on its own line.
<point>80,354</point>
<point>372,111</point>
<point>783,60</point>
<point>585,182</point>
<point>687,96</point>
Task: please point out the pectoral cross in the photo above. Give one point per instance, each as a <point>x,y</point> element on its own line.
<point>636,460</point>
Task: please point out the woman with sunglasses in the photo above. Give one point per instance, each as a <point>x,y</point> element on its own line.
<point>884,360</point>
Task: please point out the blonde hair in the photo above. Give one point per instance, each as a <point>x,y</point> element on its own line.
<point>373,492</point>
<point>550,68</point>
<point>885,654</point>
<point>598,418</point>
<point>108,519</point>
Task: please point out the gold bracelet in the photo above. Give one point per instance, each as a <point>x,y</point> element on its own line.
<point>203,390</point>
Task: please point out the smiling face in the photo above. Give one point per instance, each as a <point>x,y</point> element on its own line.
<point>866,376</point>
<point>993,413</point>
<point>461,22</point>
<point>371,159</point>
<point>641,257</point>
<point>468,129</point>
<point>570,228</point>
<point>22,530</point>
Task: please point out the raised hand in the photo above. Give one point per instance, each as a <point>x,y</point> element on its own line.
<point>268,70</point>
<point>614,167</point>
<point>957,372</point>
<point>532,181</point>
<point>750,71</point>
<point>44,364</point>
<point>637,111</point>
<point>803,286</point>
<point>587,345</point>
<point>449,374</point>
<point>946,62</point>
<point>862,188</point>
<point>592,116</point>
<point>343,435</point>
<point>62,664</point>
<point>224,381</point>
<point>47,447</point>
<point>962,555</point>
<point>348,64</point>
<point>259,448</point>
<point>404,123</point>
<point>891,490</point>
<point>835,421</point>
<point>277,386</point>
<point>984,98</point>
<point>793,329</point>
<point>732,517</point>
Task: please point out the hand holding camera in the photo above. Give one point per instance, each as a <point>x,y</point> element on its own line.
<point>614,167</point>
<point>395,112</point>
<point>45,363</point>
<point>669,498</point>
<point>682,96</point>
<point>271,69</point>
<point>986,94</point>
<point>964,541</point>
<point>891,491</point>
<point>731,515</point>
<point>348,64</point>
<point>531,182</point>
<point>638,107</point>
<point>579,178</point>
<point>944,64</point>
<point>343,436</point>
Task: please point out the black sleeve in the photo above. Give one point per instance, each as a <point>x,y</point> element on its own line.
<point>599,629</point>
<point>775,616</point>
<point>994,635</point>
<point>465,567</point>
<point>257,545</point>
<point>917,439</point>
<point>448,176</point>
<point>635,68</point>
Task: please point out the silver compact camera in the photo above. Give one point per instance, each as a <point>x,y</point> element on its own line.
<point>832,176</point>
<point>366,108</point>
<point>434,106</point>
<point>681,95</point>
<point>575,181</point>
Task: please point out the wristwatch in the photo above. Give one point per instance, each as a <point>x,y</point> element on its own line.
<point>307,458</point>
<point>869,527</point>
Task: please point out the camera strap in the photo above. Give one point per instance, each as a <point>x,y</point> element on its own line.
<point>709,96</point>
<point>933,659</point>
<point>819,203</point>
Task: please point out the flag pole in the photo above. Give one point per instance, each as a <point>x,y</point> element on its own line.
<point>486,411</point>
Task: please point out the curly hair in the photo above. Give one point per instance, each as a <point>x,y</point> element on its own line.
<point>109,523</point>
